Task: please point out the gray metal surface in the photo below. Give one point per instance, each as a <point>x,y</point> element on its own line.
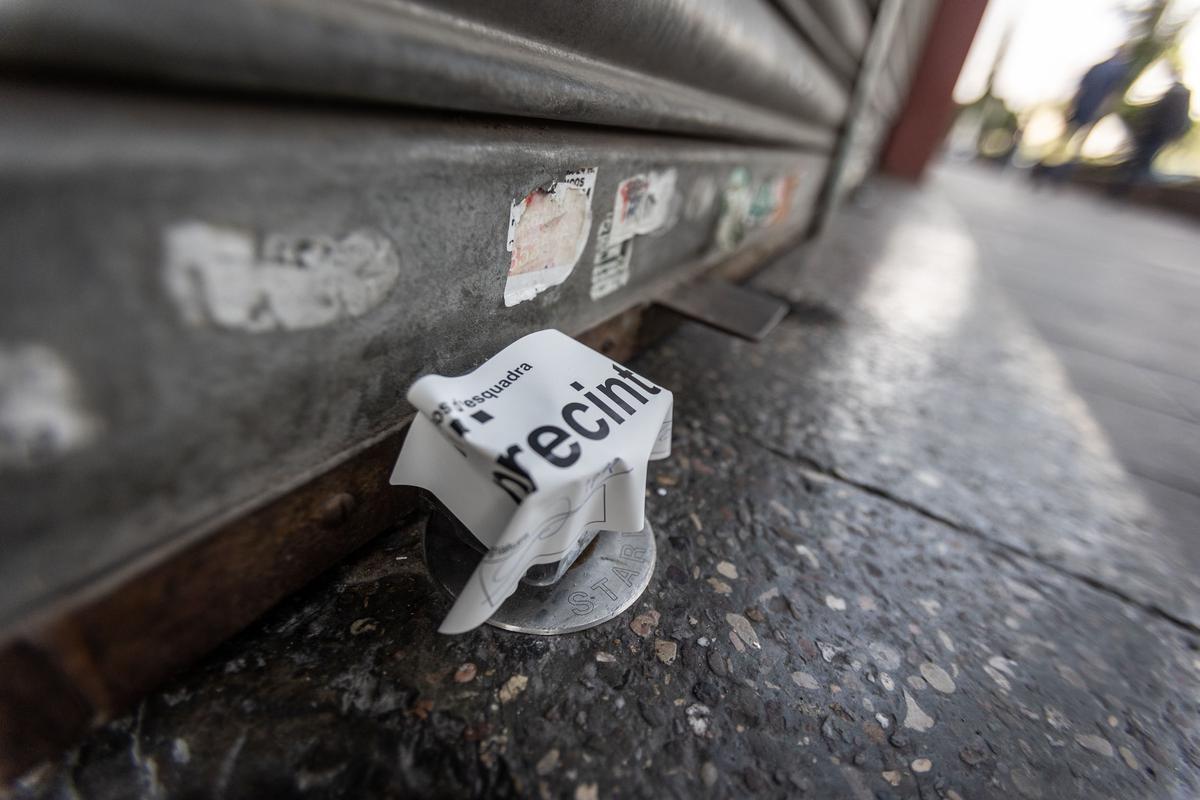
<point>850,20</point>
<point>695,66</point>
<point>904,50</point>
<point>608,577</point>
<point>865,121</point>
<point>897,39</point>
<point>727,307</point>
<point>821,38</point>
<point>173,417</point>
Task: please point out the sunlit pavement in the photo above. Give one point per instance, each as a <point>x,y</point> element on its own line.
<point>897,557</point>
<point>1115,291</point>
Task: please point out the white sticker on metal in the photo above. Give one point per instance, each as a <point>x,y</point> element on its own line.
<point>42,414</point>
<point>748,206</point>
<point>700,198</point>
<point>535,452</point>
<point>223,277</point>
<point>547,231</point>
<point>610,268</point>
<point>642,204</point>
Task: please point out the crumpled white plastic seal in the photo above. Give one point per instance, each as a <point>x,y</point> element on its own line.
<point>535,452</point>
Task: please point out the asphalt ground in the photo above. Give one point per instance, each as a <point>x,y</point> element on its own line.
<point>898,556</point>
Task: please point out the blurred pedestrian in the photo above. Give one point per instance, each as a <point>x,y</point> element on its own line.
<point>1096,88</point>
<point>1162,122</point>
<point>1091,102</point>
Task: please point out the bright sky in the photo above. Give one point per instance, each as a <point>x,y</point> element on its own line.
<point>1053,44</point>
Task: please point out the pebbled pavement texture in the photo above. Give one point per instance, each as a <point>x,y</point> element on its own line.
<point>897,559</point>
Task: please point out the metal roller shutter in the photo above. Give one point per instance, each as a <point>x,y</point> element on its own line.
<point>732,71</point>
<point>896,41</point>
<point>236,230</point>
<point>176,372</point>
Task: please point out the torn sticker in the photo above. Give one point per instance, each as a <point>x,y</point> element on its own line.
<point>221,276</point>
<point>610,268</point>
<point>537,451</point>
<point>772,201</point>
<point>642,204</point>
<point>748,206</point>
<point>42,414</point>
<point>700,198</point>
<point>736,198</point>
<point>547,231</point>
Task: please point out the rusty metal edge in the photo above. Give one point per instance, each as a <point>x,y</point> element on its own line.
<point>84,661</point>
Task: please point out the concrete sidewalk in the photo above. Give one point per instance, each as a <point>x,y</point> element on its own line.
<point>897,558</point>
<point>1115,291</point>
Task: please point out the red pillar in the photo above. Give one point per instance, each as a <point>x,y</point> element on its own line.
<point>929,109</point>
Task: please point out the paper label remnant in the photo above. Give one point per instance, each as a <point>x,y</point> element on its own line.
<point>700,199</point>
<point>217,276</point>
<point>773,201</point>
<point>735,210</point>
<point>642,205</point>
<point>536,451</point>
<point>645,203</point>
<point>547,231</point>
<point>610,270</point>
<point>747,206</point>
<point>42,414</point>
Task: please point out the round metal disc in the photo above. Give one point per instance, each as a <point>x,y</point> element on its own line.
<point>609,575</point>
